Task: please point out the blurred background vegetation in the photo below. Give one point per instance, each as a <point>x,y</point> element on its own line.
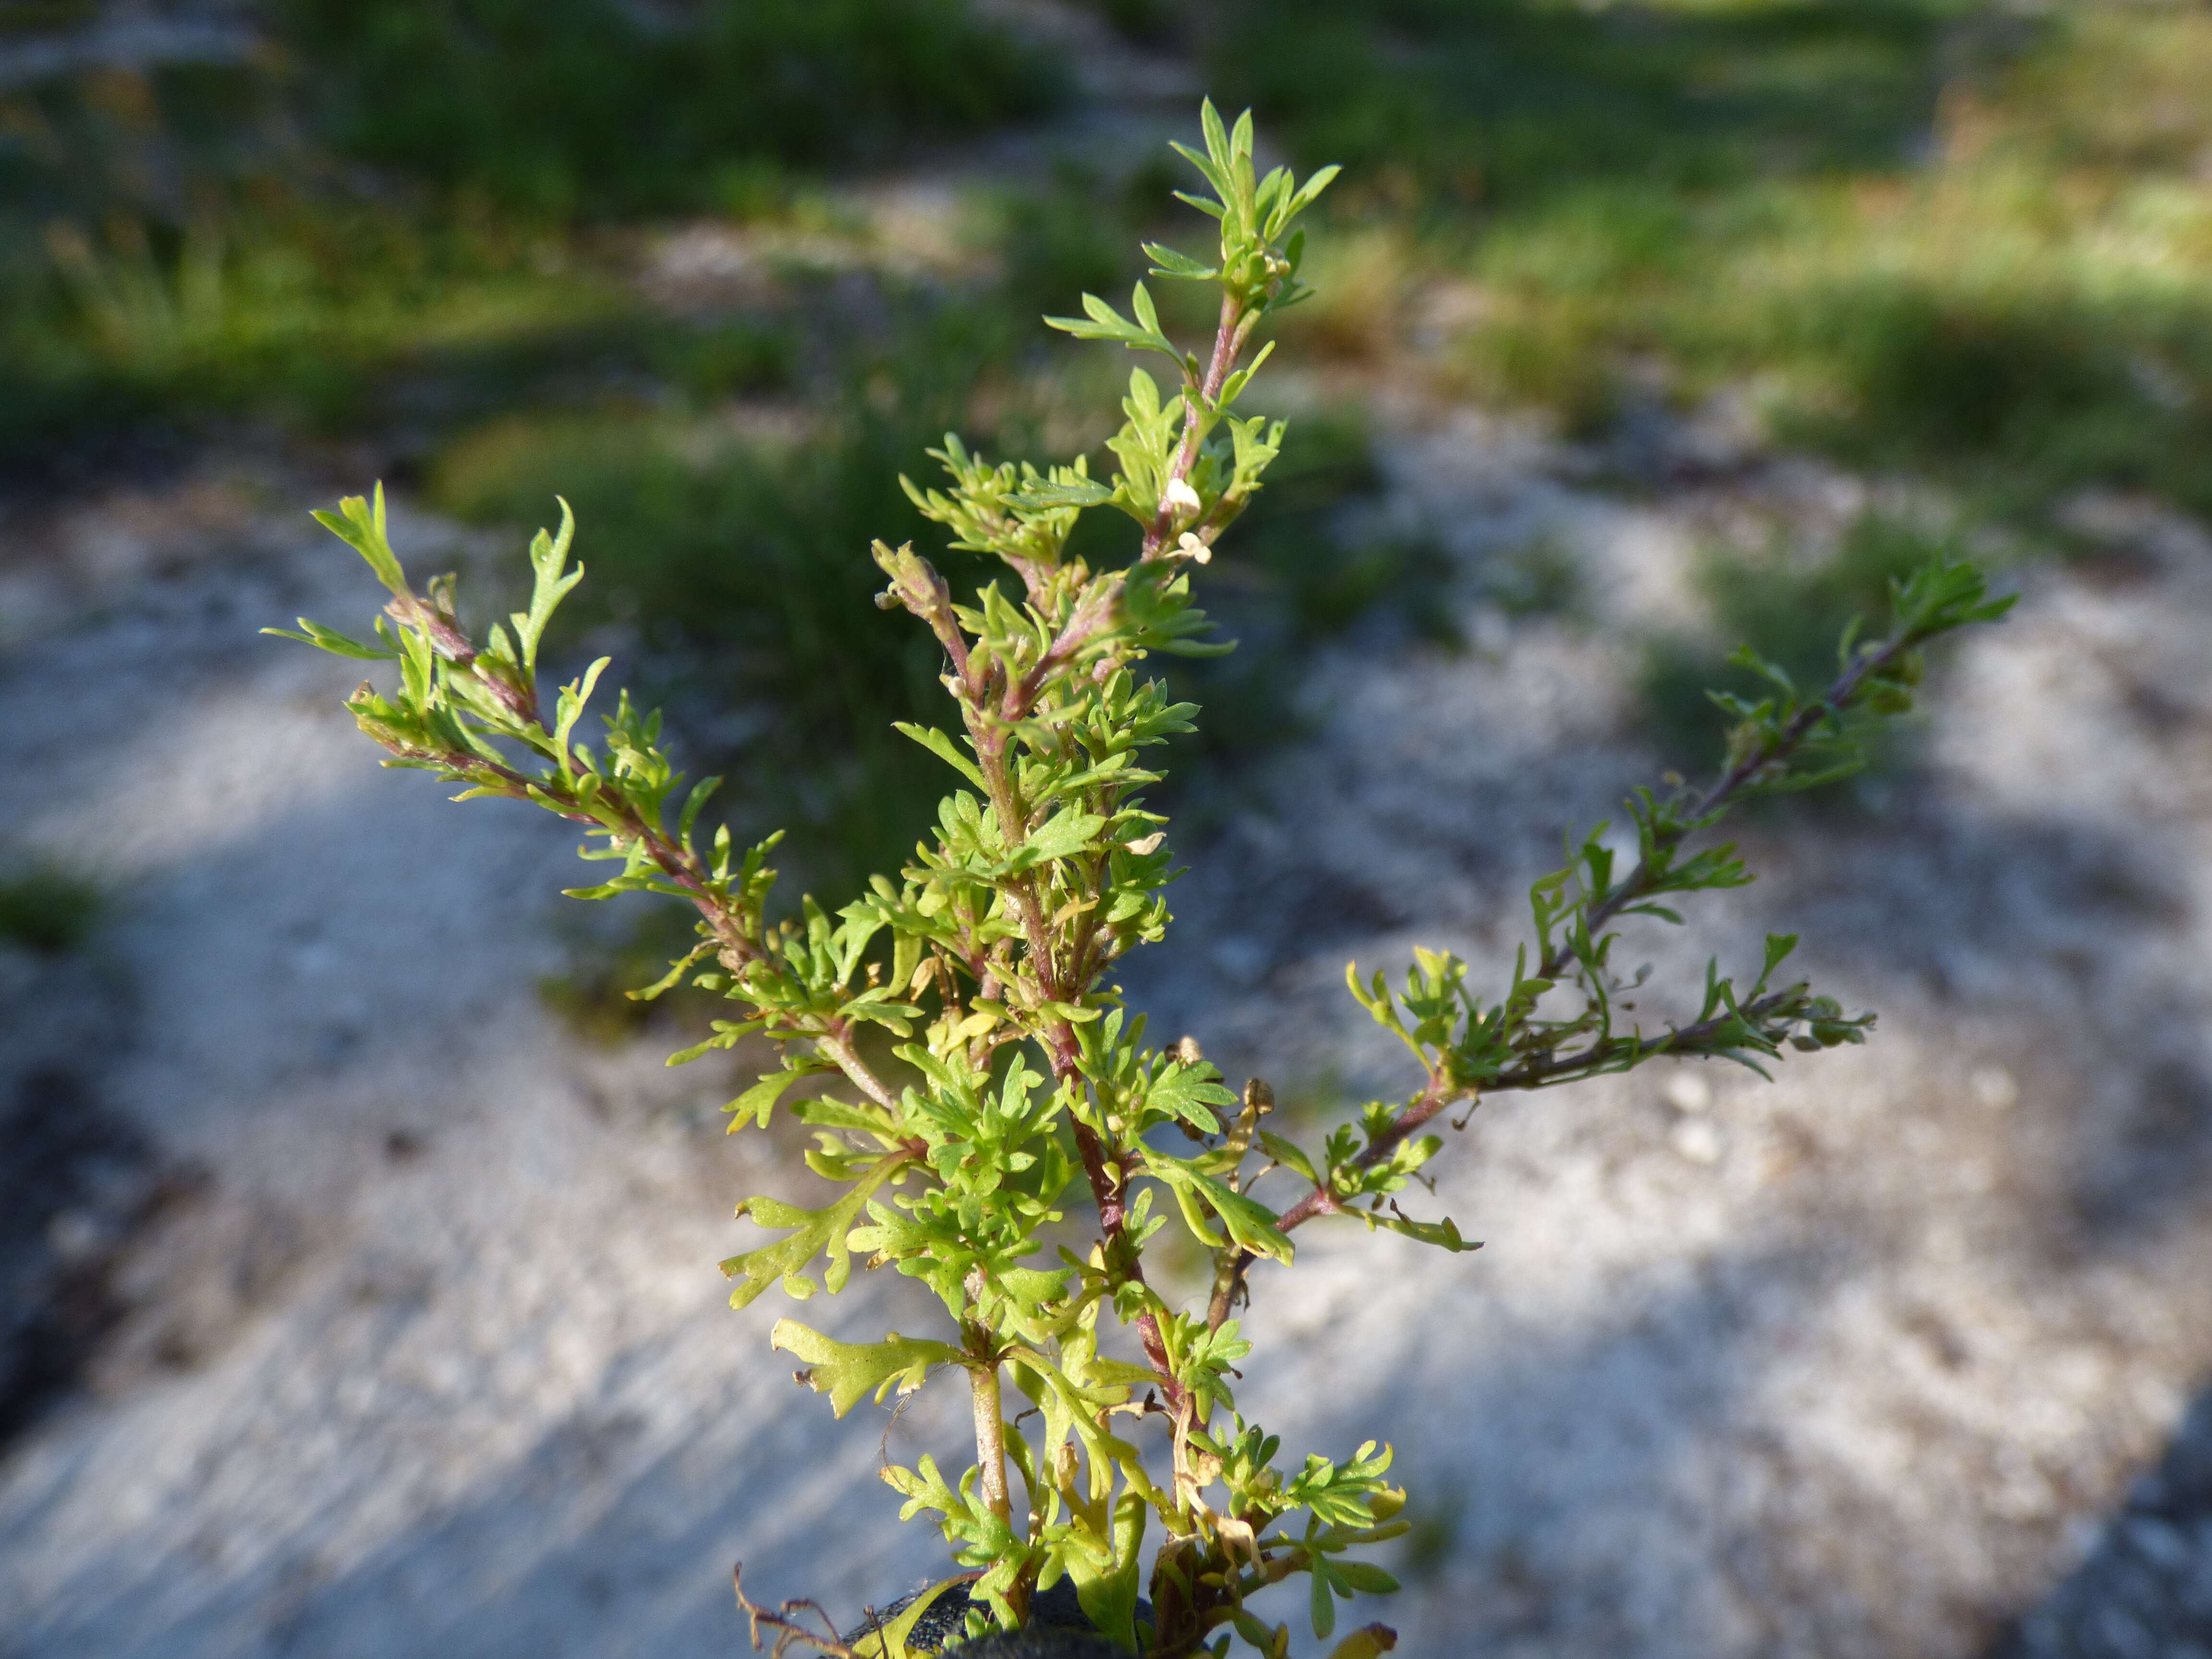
<point>629,252</point>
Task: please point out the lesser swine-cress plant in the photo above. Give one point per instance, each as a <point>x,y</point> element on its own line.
<point>1009,1077</point>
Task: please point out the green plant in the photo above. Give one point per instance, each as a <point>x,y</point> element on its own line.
<point>982,1065</point>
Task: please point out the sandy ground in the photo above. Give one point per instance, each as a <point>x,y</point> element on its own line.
<point>401,1330</point>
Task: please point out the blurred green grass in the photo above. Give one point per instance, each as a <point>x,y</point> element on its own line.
<point>311,322</point>
<point>1951,242</point>
<point>1945,239</point>
<point>398,200</point>
<point>568,106</point>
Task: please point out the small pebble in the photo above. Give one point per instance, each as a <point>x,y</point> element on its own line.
<point>1698,1140</point>
<point>1993,1087</point>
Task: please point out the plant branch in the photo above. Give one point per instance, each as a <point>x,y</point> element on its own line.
<point>1106,1190</point>
<point>837,1043</point>
<point>788,1630</point>
<point>990,1424</point>
<point>1715,799</point>
<point>683,868</point>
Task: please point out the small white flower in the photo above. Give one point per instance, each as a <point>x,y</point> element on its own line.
<point>1193,549</point>
<point>1181,496</point>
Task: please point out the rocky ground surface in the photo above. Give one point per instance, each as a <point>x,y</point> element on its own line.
<point>352,1304</point>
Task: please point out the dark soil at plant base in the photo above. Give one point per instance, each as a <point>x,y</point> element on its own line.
<point>1057,1629</point>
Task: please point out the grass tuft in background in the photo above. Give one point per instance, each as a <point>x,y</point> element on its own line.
<point>47,911</point>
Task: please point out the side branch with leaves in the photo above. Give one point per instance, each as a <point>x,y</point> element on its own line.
<point>991,1074</point>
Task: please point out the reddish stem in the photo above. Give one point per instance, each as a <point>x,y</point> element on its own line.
<point>1228,339</point>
